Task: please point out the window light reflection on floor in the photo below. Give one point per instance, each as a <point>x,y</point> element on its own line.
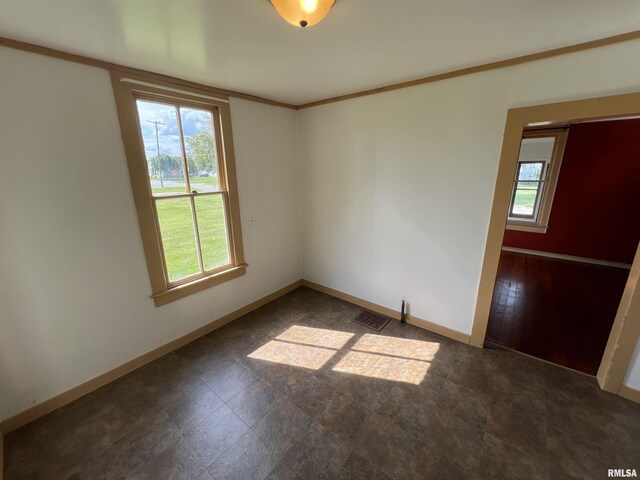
<point>383,367</point>
<point>293,354</point>
<point>397,347</point>
<point>318,337</point>
<point>375,356</point>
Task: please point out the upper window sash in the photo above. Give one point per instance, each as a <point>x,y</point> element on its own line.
<point>128,91</point>
<point>538,220</point>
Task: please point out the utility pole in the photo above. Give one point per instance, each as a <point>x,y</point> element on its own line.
<point>156,123</point>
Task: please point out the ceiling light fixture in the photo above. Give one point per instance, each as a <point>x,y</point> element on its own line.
<point>303,13</point>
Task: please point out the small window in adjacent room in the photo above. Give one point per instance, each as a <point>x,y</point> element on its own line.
<point>180,154</point>
<point>535,180</point>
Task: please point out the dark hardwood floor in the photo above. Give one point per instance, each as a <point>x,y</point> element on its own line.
<point>557,310</point>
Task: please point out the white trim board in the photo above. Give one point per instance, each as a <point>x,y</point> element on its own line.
<point>560,256</point>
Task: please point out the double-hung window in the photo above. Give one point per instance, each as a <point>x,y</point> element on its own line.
<point>180,154</point>
<point>535,180</point>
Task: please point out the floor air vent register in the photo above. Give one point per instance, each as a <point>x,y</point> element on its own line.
<point>372,320</point>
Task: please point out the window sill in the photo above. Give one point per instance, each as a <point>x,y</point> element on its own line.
<point>180,291</point>
<point>524,227</point>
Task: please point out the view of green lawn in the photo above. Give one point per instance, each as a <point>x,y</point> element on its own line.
<point>178,236</point>
<point>177,184</point>
<point>525,201</point>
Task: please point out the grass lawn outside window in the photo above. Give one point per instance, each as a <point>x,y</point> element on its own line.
<point>180,155</point>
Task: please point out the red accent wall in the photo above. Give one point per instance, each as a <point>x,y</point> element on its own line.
<point>596,208</point>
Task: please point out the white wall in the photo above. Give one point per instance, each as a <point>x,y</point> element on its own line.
<point>398,186</point>
<point>74,297</point>
<point>633,375</point>
<point>394,199</point>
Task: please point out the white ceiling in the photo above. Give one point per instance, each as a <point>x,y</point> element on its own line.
<point>244,45</point>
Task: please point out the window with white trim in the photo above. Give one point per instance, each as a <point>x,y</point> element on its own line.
<point>535,180</point>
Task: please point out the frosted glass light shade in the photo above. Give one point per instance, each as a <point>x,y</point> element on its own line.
<point>303,13</point>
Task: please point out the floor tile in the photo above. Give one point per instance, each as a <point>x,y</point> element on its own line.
<point>198,403</point>
<point>387,446</point>
<point>284,426</point>
<point>371,393</point>
<point>342,416</point>
<point>247,459</point>
<point>474,369</point>
<point>432,461</point>
<point>357,468</point>
<point>134,450</point>
<point>320,455</point>
<point>178,462</point>
<point>283,472</point>
<point>254,402</point>
<point>230,381</point>
<point>211,437</point>
<point>410,407</point>
<point>518,417</point>
<point>458,422</point>
<point>500,460</point>
<point>573,454</point>
<point>312,397</point>
<point>475,414</point>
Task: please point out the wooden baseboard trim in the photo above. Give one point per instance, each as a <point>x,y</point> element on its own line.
<point>630,393</point>
<point>374,307</point>
<point>571,258</point>
<point>37,411</point>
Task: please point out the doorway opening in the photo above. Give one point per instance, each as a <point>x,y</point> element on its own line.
<point>569,242</point>
<point>525,200</point>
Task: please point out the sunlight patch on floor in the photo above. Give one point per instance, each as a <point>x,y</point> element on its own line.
<point>383,367</point>
<point>397,347</point>
<point>318,337</point>
<point>374,356</point>
<point>293,354</point>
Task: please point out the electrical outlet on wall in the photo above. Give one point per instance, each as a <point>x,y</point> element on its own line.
<point>252,222</point>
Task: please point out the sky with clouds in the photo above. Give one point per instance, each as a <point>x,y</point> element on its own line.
<point>193,121</point>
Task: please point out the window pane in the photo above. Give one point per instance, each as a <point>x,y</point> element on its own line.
<point>524,202</point>
<point>537,148</point>
<point>528,185</point>
<point>162,149</point>
<point>212,224</point>
<point>200,145</point>
<point>530,171</point>
<point>178,237</point>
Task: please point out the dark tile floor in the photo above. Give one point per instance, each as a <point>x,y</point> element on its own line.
<point>295,390</point>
